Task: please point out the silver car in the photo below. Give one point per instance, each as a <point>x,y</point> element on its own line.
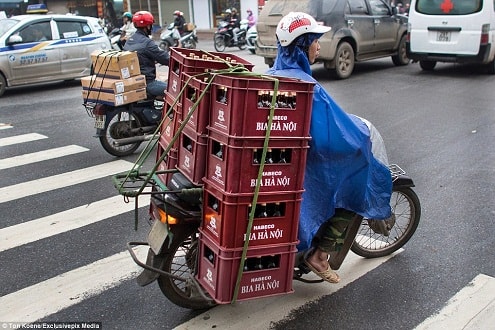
<point>43,48</point>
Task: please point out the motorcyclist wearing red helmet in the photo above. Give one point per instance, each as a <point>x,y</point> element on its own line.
<point>148,52</point>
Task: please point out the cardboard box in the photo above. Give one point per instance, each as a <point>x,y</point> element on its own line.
<point>115,64</point>
<point>114,99</point>
<point>115,86</point>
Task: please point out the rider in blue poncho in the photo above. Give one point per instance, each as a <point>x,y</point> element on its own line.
<point>344,176</point>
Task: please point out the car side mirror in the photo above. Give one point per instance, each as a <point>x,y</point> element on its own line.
<point>14,39</point>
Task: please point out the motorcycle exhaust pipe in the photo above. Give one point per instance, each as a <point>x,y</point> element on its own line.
<point>131,140</point>
<point>142,130</point>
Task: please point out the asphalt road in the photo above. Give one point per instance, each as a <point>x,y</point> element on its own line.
<point>64,261</point>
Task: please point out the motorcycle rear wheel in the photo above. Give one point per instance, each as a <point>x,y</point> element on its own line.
<point>407,209</point>
<point>119,127</point>
<point>219,43</point>
<point>180,260</point>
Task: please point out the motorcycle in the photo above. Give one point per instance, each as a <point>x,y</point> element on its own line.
<point>224,38</point>
<point>174,240</point>
<point>172,38</point>
<point>122,129</point>
<point>114,36</point>
<point>251,36</point>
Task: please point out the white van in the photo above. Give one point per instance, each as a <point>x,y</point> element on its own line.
<point>458,31</point>
<point>42,48</point>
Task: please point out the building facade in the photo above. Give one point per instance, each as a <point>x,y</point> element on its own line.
<point>204,13</point>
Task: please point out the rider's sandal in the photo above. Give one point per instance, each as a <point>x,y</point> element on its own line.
<point>328,275</point>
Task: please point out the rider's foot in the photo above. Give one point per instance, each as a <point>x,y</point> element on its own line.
<point>318,263</point>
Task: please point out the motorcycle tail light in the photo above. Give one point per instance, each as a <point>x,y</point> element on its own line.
<point>165,218</point>
<point>99,110</point>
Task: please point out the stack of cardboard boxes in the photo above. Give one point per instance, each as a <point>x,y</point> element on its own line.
<point>117,79</point>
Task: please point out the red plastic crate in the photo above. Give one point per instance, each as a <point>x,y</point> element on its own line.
<point>200,117</point>
<point>192,155</point>
<point>195,61</point>
<point>231,164</point>
<point>218,269</point>
<point>226,217</point>
<point>168,163</point>
<point>239,106</point>
<point>169,127</point>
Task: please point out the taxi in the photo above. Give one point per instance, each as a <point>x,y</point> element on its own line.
<point>44,48</point>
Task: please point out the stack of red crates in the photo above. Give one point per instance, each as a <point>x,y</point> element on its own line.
<point>188,152</point>
<point>224,123</point>
<point>239,113</point>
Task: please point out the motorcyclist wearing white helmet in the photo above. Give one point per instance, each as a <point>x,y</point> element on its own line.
<point>343,176</point>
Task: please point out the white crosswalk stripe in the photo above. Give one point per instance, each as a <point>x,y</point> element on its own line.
<point>40,156</point>
<point>21,139</point>
<point>33,187</point>
<point>68,289</point>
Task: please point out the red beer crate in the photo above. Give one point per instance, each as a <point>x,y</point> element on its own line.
<point>240,106</point>
<point>226,217</point>
<point>232,164</point>
<point>192,155</point>
<point>268,271</point>
<point>193,101</point>
<point>169,127</point>
<point>195,61</point>
<point>168,163</point>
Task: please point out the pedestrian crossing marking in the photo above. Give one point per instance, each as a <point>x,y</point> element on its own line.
<point>33,187</point>
<point>5,126</point>
<point>17,235</point>
<point>21,139</point>
<point>40,156</point>
<point>472,308</point>
<point>57,293</point>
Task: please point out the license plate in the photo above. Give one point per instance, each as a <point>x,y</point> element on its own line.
<point>443,36</point>
<point>100,121</point>
<point>157,236</point>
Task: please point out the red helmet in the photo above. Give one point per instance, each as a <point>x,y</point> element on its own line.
<point>142,19</point>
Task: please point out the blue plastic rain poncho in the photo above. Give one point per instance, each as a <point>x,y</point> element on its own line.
<point>341,170</point>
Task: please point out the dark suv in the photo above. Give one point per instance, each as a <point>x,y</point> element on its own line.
<point>361,30</point>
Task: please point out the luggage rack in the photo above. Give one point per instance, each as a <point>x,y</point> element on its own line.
<point>395,171</point>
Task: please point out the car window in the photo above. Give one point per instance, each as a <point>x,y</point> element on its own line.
<point>73,29</point>
<point>358,7</point>
<point>448,7</point>
<point>35,32</point>
<point>378,7</point>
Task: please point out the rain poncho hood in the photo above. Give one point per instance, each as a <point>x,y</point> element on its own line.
<point>341,170</point>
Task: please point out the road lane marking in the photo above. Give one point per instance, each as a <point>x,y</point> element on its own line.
<point>31,231</point>
<point>57,293</point>
<point>29,188</point>
<point>5,126</point>
<point>40,156</point>
<point>254,312</point>
<point>472,308</point>
<point>21,139</point>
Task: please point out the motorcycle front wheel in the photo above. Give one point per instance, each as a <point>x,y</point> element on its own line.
<point>180,260</point>
<point>120,126</point>
<point>407,209</point>
<point>219,42</point>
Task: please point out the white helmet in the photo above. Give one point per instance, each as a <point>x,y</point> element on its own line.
<point>295,24</point>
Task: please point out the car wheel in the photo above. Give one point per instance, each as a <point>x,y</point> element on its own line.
<point>427,65</point>
<point>344,61</point>
<point>3,84</point>
<point>401,57</point>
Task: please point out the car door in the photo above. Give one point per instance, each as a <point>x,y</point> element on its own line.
<point>386,26</point>
<point>360,22</point>
<point>76,43</point>
<point>36,58</point>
